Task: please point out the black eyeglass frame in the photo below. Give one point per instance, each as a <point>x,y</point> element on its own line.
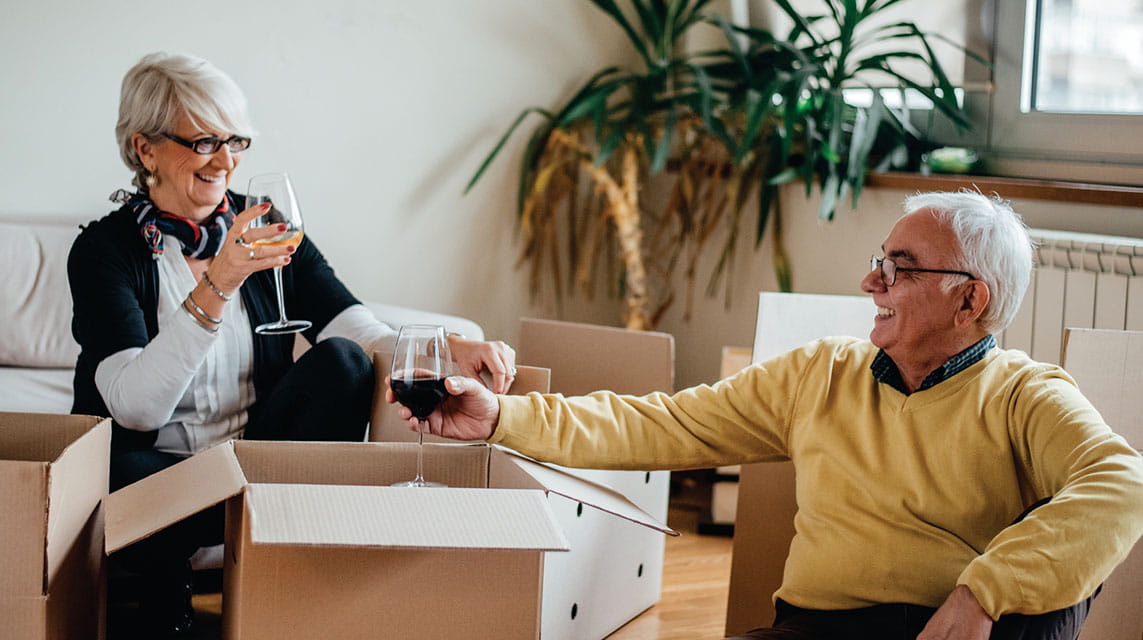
<point>242,143</point>
<point>878,264</point>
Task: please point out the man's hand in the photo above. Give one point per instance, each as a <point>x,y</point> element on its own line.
<point>959,618</point>
<point>471,413</point>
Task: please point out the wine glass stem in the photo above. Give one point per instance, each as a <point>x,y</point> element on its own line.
<point>420,479</point>
<point>281,297</point>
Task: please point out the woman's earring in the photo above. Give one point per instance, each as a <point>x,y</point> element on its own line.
<point>152,179</point>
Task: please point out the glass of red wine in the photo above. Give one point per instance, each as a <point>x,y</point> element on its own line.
<point>421,362</point>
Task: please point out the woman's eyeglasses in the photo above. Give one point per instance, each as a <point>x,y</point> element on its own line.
<point>211,144</point>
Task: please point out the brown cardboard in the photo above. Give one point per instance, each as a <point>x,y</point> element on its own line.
<point>1108,366</point>
<point>319,545</point>
<point>763,529</point>
<point>53,474</point>
<point>585,358</point>
<point>386,426</point>
<point>614,570</point>
<point>764,516</point>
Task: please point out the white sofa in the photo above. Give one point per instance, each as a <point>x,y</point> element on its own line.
<point>37,351</point>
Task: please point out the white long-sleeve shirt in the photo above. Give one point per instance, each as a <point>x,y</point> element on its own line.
<point>193,386</point>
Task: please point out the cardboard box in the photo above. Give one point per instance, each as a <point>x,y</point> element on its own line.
<point>764,516</point>
<point>614,571</point>
<point>53,474</point>
<point>319,546</point>
<point>1108,366</point>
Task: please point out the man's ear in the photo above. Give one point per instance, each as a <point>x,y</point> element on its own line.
<point>974,300</point>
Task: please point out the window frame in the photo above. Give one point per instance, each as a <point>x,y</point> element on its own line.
<point>1096,147</point>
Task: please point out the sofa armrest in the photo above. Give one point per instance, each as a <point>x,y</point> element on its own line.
<point>395,316</point>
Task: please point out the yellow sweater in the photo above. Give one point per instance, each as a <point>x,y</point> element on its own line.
<point>900,498</point>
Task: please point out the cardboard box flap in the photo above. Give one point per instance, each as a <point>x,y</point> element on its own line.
<point>40,437</point>
<point>592,494</point>
<point>1108,367</point>
<point>157,501</point>
<point>363,516</point>
<point>23,496</point>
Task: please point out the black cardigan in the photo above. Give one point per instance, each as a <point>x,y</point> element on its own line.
<point>114,289</point>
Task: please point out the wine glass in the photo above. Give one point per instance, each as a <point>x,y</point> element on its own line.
<point>276,189</point>
<point>421,362</point>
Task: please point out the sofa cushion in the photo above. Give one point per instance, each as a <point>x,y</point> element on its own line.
<point>35,319</point>
<point>36,390</point>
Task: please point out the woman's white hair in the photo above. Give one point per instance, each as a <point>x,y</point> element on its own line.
<point>161,88</point>
<point>994,244</point>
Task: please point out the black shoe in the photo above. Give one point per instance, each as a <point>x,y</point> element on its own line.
<point>165,604</point>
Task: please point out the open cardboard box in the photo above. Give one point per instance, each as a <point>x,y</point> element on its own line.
<point>319,546</point>
<point>53,474</point>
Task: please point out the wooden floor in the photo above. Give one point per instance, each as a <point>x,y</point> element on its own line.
<point>696,574</point>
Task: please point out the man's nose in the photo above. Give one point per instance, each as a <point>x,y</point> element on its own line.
<point>872,282</point>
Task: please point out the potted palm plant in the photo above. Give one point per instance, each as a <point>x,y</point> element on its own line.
<point>792,93</point>
<point>586,163</point>
<point>759,112</point>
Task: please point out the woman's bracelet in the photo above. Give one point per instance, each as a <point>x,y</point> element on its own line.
<point>187,310</point>
<point>198,310</point>
<point>218,292</point>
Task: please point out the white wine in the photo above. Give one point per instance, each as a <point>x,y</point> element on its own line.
<point>289,237</point>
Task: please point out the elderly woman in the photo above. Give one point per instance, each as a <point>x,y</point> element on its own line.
<point>166,291</point>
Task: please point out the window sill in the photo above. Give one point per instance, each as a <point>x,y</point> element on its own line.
<point>1014,188</point>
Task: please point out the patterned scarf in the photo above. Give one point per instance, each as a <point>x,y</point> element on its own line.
<point>198,240</point>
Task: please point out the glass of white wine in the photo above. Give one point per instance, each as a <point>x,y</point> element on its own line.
<point>276,189</point>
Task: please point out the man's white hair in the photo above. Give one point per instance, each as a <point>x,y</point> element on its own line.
<point>994,245</point>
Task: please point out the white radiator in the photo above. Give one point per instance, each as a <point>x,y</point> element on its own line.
<point>1081,280</point>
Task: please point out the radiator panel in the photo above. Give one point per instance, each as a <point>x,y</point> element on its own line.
<point>1080,280</point>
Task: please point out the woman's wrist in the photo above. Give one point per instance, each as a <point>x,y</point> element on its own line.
<point>200,316</point>
<point>226,297</point>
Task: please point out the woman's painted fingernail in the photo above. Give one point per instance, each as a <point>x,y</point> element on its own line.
<point>291,248</point>
<point>286,260</point>
<point>265,206</point>
<point>282,228</point>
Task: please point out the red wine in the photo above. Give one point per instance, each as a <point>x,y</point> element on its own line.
<point>420,396</point>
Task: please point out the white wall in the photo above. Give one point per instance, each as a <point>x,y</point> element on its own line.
<point>381,110</point>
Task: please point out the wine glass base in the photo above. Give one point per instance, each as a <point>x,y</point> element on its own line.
<point>282,328</point>
<point>419,483</point>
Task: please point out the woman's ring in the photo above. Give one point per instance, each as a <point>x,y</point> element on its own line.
<point>242,243</point>
<point>251,254</point>
<point>513,371</point>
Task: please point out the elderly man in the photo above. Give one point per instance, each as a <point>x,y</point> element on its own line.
<point>919,453</point>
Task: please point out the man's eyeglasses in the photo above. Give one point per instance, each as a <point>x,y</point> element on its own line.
<point>211,144</point>
<point>889,270</point>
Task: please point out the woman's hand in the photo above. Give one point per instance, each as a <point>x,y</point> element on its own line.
<point>239,256</point>
<point>470,413</point>
<point>474,356</point>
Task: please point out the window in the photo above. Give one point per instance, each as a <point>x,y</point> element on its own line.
<point>1066,90</point>
<point>1087,57</point>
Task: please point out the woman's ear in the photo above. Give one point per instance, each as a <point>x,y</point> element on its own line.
<point>973,303</point>
<point>144,149</point>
